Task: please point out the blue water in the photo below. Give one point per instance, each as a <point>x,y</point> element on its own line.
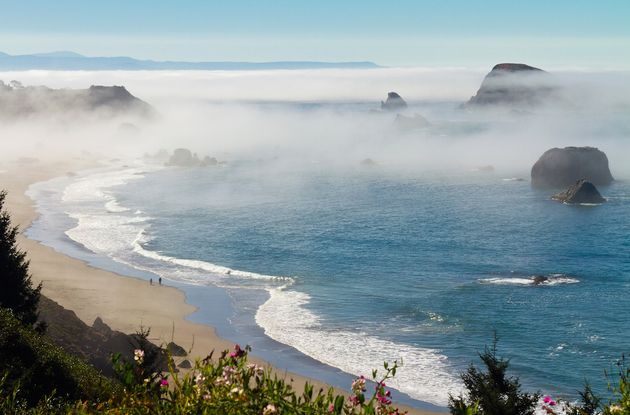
<point>436,262</point>
<point>330,268</point>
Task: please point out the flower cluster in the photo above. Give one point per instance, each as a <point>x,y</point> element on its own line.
<point>138,356</point>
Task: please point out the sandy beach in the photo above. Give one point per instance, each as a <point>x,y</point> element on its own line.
<point>124,303</point>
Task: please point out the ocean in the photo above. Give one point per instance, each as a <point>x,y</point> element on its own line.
<point>330,270</point>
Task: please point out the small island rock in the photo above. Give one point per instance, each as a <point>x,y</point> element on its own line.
<point>394,102</point>
<point>580,192</point>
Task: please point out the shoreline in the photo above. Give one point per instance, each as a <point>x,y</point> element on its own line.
<point>123,302</point>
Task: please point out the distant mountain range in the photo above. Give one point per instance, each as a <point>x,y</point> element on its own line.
<point>73,61</point>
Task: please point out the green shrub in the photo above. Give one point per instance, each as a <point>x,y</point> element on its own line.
<point>492,392</point>
<point>17,292</point>
<point>233,386</point>
<point>34,371</point>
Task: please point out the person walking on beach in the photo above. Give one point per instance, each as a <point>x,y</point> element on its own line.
<point>150,281</point>
<point>160,280</point>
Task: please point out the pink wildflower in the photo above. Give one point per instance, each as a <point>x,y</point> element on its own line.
<point>238,352</point>
<point>331,408</point>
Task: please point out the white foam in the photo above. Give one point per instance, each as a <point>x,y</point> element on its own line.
<point>554,279</point>
<point>205,266</point>
<point>425,374</point>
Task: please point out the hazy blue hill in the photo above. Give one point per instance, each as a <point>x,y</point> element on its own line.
<point>65,60</point>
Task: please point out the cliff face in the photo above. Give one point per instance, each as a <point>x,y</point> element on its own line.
<point>512,85</point>
<point>17,101</point>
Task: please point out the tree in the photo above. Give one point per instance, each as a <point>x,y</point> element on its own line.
<point>16,289</point>
<point>492,392</point>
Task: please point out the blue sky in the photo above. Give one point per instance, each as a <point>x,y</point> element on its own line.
<point>407,33</point>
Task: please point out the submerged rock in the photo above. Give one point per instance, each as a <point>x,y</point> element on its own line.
<point>394,102</point>
<point>182,157</point>
<point>539,279</point>
<point>580,192</point>
<point>404,123</point>
<point>561,167</point>
<point>512,85</point>
<point>368,162</point>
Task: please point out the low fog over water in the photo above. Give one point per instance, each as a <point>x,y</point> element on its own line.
<point>333,116</point>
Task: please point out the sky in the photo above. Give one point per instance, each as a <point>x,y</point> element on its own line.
<point>459,33</point>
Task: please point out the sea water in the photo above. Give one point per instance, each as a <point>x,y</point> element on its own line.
<point>344,267</point>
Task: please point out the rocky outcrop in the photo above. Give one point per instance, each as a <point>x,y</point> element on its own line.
<point>580,192</point>
<point>182,157</point>
<point>514,85</point>
<point>405,123</point>
<point>18,101</point>
<point>94,344</point>
<point>561,167</point>
<point>176,350</point>
<point>394,102</point>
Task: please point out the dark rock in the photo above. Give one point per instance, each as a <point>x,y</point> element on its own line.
<point>561,167</point>
<point>94,344</point>
<point>18,101</point>
<point>184,364</point>
<point>368,163</point>
<point>394,102</point>
<point>208,161</point>
<point>176,350</point>
<point>539,279</point>
<point>488,168</point>
<point>404,123</point>
<point>182,157</point>
<point>580,192</point>
<point>513,85</point>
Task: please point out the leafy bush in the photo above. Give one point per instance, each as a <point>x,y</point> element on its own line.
<point>232,386</point>
<point>35,372</point>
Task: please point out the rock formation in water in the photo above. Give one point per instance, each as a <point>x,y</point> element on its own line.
<point>182,157</point>
<point>368,163</point>
<point>404,123</point>
<point>561,167</point>
<point>580,192</point>
<point>394,102</point>
<point>18,101</point>
<point>514,85</point>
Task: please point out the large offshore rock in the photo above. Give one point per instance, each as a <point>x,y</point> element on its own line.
<point>512,85</point>
<point>561,167</point>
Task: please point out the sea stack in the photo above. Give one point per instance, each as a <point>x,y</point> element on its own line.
<point>512,85</point>
<point>394,102</point>
<point>561,167</point>
<point>580,192</point>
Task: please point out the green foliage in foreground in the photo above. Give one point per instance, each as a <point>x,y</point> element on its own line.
<point>228,385</point>
<point>34,371</point>
<point>17,292</point>
<point>492,392</point>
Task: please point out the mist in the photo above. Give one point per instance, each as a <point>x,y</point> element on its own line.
<point>332,118</point>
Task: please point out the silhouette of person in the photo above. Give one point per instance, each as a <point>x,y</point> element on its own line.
<point>150,281</point>
<point>160,280</point>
